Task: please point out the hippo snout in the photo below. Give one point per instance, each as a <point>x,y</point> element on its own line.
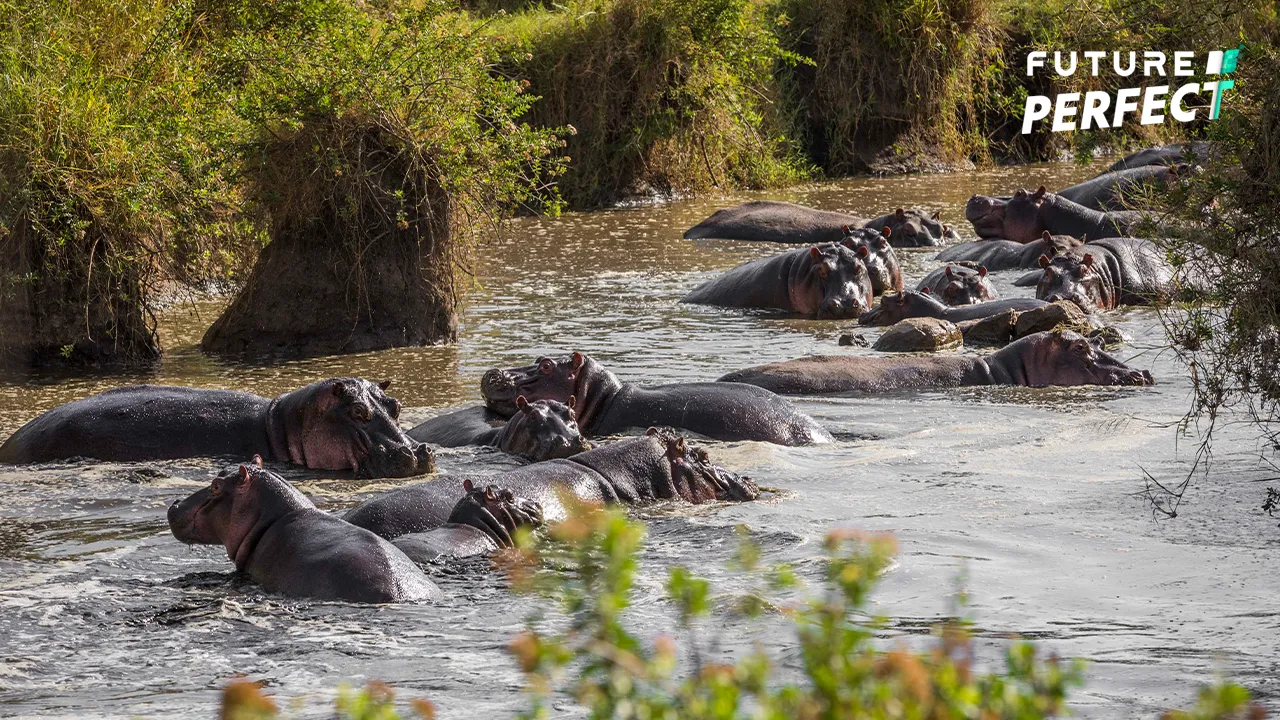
<point>839,309</point>
<point>497,383</point>
<point>397,461</point>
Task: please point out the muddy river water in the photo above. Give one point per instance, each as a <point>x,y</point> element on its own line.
<point>1031,494</point>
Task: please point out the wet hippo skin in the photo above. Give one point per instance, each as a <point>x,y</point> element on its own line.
<point>607,406</point>
<point>541,430</point>
<point>335,424</point>
<point>655,466</point>
<point>827,281</point>
<point>784,222</point>
<point>910,304</point>
<point>1038,360</point>
<point>999,254</point>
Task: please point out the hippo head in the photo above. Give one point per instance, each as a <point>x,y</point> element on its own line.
<point>966,286</point>
<point>1076,278</point>
<point>546,379</point>
<point>1062,357</point>
<point>694,478</point>
<point>496,512</point>
<point>235,503</point>
<point>882,262</point>
<point>1022,216</point>
<point>898,306</point>
<point>1055,245</point>
<point>831,282</point>
<point>986,213</point>
<point>350,424</point>
<point>543,430</point>
<point>917,228</point>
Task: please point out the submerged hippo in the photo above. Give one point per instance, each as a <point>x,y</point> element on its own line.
<point>607,405</point>
<point>484,520</point>
<point>784,222</point>
<point>958,285</point>
<point>1025,216</point>
<point>541,430</point>
<point>1183,152</point>
<point>999,255</point>
<point>882,262</point>
<point>910,304</point>
<point>655,466</point>
<point>827,281</point>
<point>1037,360</point>
<point>277,537</point>
<point>1107,273</point>
<point>335,424</point>
<point>1109,190</point>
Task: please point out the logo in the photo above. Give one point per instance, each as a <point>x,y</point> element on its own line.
<point>1099,109</point>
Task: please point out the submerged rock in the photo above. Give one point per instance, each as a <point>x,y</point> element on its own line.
<point>855,339</point>
<point>1062,313</point>
<point>994,330</point>
<point>921,334</point>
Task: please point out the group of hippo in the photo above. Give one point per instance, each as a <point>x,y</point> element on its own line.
<point>547,412</point>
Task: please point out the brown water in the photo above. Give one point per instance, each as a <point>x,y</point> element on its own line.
<point>1029,492</point>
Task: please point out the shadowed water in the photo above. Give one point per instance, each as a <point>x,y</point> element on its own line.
<point>1031,493</point>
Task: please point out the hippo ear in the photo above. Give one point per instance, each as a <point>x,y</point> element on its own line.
<point>844,229</point>
<point>1045,235</point>
<point>467,485</point>
<point>815,254</point>
<point>1040,191</point>
<point>385,384</point>
<point>887,231</point>
<point>651,431</point>
<point>573,401</point>
<point>1088,259</point>
<point>950,274</point>
<point>340,390</point>
<point>937,215</point>
<point>982,271</point>
<point>257,460</point>
<point>925,290</point>
<point>244,480</point>
<point>882,243</point>
<point>1084,238</point>
<point>522,403</point>
<point>1044,261</point>
<point>863,251</point>
<point>578,360</point>
<point>899,212</point>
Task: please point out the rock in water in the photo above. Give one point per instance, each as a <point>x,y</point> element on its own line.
<point>994,330</point>
<point>921,334</point>
<point>1062,313</point>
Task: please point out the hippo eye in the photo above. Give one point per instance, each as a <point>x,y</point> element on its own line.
<point>361,412</point>
<point>824,271</point>
<point>546,366</point>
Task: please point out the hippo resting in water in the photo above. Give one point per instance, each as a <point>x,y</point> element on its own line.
<point>607,405</point>
<point>1025,217</point>
<point>335,424</point>
<point>1110,190</point>
<point>1037,360</point>
<point>1183,152</point>
<point>541,430</point>
<point>958,285</point>
<point>827,281</point>
<point>655,466</point>
<point>998,255</point>
<point>784,222</point>
<point>1104,274</point>
<point>910,304</point>
<point>881,261</point>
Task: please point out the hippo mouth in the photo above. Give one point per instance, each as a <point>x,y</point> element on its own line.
<point>499,390</point>
<point>986,214</point>
<point>396,461</point>
<point>1132,378</point>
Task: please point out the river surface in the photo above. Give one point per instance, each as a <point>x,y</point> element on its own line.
<point>1033,495</point>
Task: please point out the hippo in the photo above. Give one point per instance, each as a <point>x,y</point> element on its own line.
<point>334,424</point>
<point>541,430</point>
<point>277,537</point>
<point>658,465</point>
<point>827,281</point>
<point>607,406</point>
<point>784,222</point>
<point>1107,273</point>
<point>999,255</point>
<point>909,304</point>
<point>1054,357</point>
<point>1025,216</point>
<point>882,262</point>
<point>486,519</point>
<point>1183,152</point>
<point>958,285</point>
<point>1109,190</point>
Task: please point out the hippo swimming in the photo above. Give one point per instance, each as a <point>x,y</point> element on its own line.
<point>958,285</point>
<point>655,466</point>
<point>1109,190</point>
<point>277,537</point>
<point>541,430</point>
<point>1038,360</point>
<point>784,222</point>
<point>335,424</point>
<point>1025,216</point>
<point>484,520</point>
<point>1183,152</point>
<point>1107,273</point>
<point>909,304</point>
<point>607,405</point>
<point>882,262</point>
<point>827,281</point>
<point>999,255</point>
